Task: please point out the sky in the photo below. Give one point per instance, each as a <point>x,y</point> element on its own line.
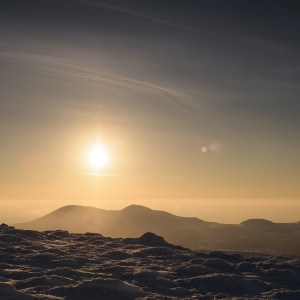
<point>196,103</point>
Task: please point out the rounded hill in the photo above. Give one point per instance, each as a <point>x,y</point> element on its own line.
<point>257,223</point>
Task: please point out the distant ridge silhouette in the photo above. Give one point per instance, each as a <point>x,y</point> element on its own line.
<point>132,221</point>
<point>258,235</point>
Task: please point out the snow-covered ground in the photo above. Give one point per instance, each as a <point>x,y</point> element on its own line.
<point>61,265</point>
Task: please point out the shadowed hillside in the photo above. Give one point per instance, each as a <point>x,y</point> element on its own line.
<point>252,235</point>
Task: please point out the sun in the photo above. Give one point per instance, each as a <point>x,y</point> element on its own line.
<point>98,156</point>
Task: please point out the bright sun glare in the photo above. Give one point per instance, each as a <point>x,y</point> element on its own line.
<point>98,157</point>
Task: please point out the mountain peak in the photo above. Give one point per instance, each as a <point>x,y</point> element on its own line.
<point>73,208</point>
<point>136,208</point>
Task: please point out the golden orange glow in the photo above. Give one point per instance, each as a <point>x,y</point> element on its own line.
<point>98,157</point>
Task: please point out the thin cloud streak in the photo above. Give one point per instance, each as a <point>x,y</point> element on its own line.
<point>141,15</point>
<point>62,66</point>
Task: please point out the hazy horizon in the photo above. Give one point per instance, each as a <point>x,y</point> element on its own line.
<point>233,211</point>
<point>190,107</point>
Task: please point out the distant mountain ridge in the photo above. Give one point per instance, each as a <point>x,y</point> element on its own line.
<point>133,221</point>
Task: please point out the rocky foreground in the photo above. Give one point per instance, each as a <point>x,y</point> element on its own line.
<point>61,265</point>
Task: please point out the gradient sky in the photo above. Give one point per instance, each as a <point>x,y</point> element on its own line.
<point>197,102</point>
